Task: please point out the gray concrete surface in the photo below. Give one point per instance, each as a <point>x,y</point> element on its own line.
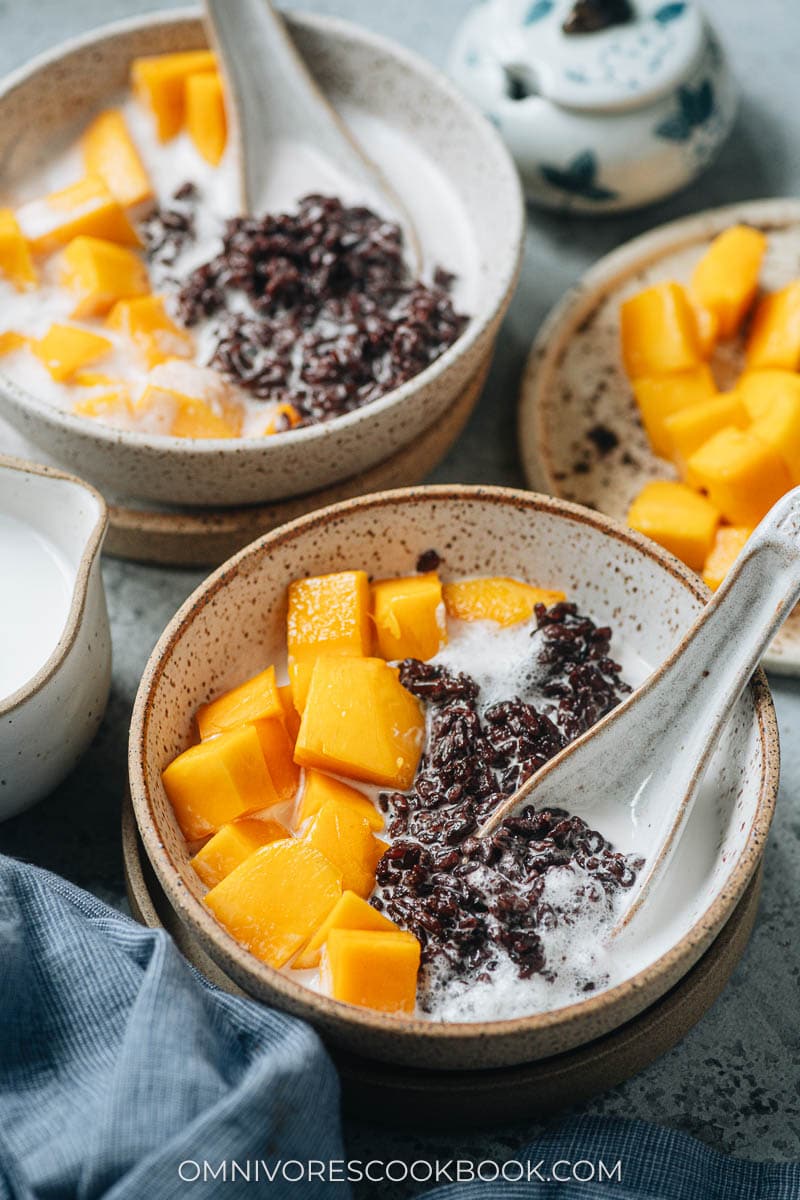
<point>734,1081</point>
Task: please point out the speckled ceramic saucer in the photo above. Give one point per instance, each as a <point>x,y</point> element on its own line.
<point>580,434</point>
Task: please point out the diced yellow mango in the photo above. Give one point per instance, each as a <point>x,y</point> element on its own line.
<point>159,83</point>
<point>728,545</point>
<point>116,403</point>
<point>16,263</point>
<point>284,417</point>
<point>349,912</point>
<point>677,518</point>
<point>10,342</point>
<point>779,428</point>
<point>409,616</point>
<point>86,207</point>
<point>278,750</point>
<point>347,841</point>
<point>373,969</point>
<point>249,701</point>
<point>232,844</point>
<point>291,717</point>
<point>276,899</point>
<point>151,329</point>
<point>659,332</point>
<point>726,277</point>
<point>743,476</point>
<point>660,396</point>
<point>360,722</point>
<point>100,273</point>
<point>707,323</point>
<point>758,389</point>
<point>689,428</point>
<point>188,417</point>
<point>65,349</point>
<point>496,598</point>
<point>109,152</point>
<point>217,781</point>
<point>327,614</point>
<point>205,115</point>
<point>774,339</point>
<point>320,789</point>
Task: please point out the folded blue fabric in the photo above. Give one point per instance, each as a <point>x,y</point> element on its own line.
<point>124,1074</point>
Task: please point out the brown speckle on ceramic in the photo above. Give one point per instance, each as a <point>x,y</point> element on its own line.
<point>49,99</point>
<point>234,624</point>
<point>574,382</point>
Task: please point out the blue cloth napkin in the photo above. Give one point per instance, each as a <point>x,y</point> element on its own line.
<point>125,1075</point>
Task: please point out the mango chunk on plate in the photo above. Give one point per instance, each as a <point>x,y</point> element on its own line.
<point>100,273</point>
<point>64,349</point>
<point>758,389</point>
<point>726,277</point>
<point>773,404</point>
<point>349,912</point>
<point>276,899</point>
<point>360,722</point>
<point>496,598</point>
<point>327,614</point>
<point>659,332</point>
<point>232,844</point>
<point>187,416</point>
<point>205,115</point>
<point>320,789</point>
<point>691,427</point>
<point>86,207</point>
<point>159,83</point>
<point>16,263</point>
<point>373,969</point>
<point>217,781</point>
<point>347,841</point>
<point>742,475</point>
<point>676,517</point>
<point>409,617</point>
<point>728,545</point>
<point>661,396</point>
<point>109,152</point>
<point>774,339</point>
<point>151,329</point>
<point>249,701</point>
<point>278,750</point>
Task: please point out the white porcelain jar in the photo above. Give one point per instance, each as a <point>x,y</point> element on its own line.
<point>599,121</point>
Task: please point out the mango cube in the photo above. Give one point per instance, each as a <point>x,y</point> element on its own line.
<point>758,389</point>
<point>86,207</point>
<point>779,428</point>
<point>232,844</point>
<point>159,83</point>
<point>64,349</point>
<point>728,545</point>
<point>217,781</point>
<point>10,342</point>
<point>660,396</point>
<point>659,332</point>
<point>187,416</point>
<point>707,323</point>
<point>205,115</point>
<point>151,329</point>
<point>320,789</point>
<point>276,899</point>
<point>496,598</point>
<point>349,912</point>
<point>291,717</point>
<point>360,722</point>
<point>347,841</point>
<point>100,273</point>
<point>774,339</point>
<point>327,614</point>
<point>278,750</point>
<point>16,263</point>
<point>726,277</point>
<point>689,428</point>
<point>109,153</point>
<point>112,404</point>
<point>677,518</point>
<point>743,476</point>
<point>373,969</point>
<point>249,701</point>
<point>409,616</point>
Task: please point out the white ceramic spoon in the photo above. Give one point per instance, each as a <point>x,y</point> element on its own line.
<point>638,771</point>
<point>278,105</point>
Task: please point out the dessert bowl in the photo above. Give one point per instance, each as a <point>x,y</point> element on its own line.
<point>49,718</point>
<point>236,621</point>
<point>438,152</point>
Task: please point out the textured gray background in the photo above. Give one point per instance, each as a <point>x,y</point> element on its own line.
<point>735,1080</point>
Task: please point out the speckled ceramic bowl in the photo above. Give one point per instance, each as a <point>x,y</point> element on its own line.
<point>52,98</point>
<point>235,623</point>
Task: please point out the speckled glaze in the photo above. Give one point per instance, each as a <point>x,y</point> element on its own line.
<point>55,94</point>
<point>575,381</point>
<point>234,624</point>
<point>46,725</point>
